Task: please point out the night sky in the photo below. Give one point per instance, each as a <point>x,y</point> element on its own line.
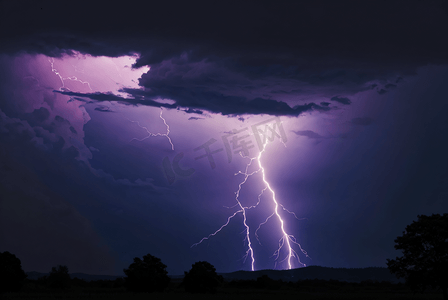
<point>143,127</point>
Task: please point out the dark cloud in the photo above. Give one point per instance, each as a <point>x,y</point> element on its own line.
<point>200,100</point>
<point>324,103</point>
<point>390,86</point>
<point>78,99</point>
<point>382,91</point>
<point>94,96</point>
<point>308,133</point>
<point>193,111</point>
<point>234,52</point>
<point>103,108</point>
<point>362,121</point>
<point>97,96</point>
<point>342,100</point>
<point>195,118</point>
<point>38,116</point>
<point>23,131</point>
<point>39,218</point>
<point>201,27</point>
<point>60,119</point>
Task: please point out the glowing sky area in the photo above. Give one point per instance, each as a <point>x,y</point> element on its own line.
<point>84,73</point>
<point>324,142</point>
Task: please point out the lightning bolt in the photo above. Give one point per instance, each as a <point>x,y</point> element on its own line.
<point>73,78</point>
<point>242,210</point>
<point>150,134</point>
<point>287,240</point>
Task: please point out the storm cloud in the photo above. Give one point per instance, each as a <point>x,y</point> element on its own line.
<point>242,58</point>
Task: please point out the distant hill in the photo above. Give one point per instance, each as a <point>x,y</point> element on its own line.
<point>312,272</point>
<point>316,272</point>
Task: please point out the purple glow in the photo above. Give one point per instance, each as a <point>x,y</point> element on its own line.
<point>89,74</point>
<point>102,162</point>
<point>127,144</point>
<point>286,239</point>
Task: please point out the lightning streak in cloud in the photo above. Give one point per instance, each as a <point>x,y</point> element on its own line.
<point>73,78</point>
<point>150,134</point>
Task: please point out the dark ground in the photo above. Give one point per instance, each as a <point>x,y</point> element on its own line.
<point>236,289</point>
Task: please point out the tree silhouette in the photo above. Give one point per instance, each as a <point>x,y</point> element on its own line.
<point>11,273</point>
<point>59,277</point>
<point>424,244</point>
<point>202,278</point>
<point>147,275</point>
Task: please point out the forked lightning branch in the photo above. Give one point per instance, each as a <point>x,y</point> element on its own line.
<point>264,133</point>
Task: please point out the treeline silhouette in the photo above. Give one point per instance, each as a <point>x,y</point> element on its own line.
<point>149,275</point>
<point>424,264</point>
